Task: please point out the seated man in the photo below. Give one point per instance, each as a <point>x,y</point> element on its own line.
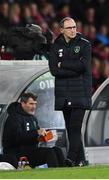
<point>21,133</point>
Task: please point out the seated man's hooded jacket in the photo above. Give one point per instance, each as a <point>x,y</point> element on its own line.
<point>20,131</point>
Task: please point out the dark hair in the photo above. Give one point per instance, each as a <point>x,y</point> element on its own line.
<point>63,20</point>
<point>25,96</point>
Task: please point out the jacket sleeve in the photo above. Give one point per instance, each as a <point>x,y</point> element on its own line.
<point>79,65</point>
<point>55,70</point>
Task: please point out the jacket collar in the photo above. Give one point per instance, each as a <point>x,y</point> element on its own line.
<point>61,40</point>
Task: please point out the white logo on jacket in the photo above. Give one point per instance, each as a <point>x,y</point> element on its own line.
<point>27,126</point>
<point>60,51</point>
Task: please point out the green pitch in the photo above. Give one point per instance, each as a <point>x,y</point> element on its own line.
<point>96,172</point>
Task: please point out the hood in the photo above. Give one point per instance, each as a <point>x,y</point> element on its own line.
<point>60,39</point>
<point>14,108</point>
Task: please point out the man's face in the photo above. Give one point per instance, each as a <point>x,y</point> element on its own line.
<point>29,106</point>
<point>69,29</point>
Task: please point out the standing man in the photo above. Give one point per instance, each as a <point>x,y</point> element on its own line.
<point>21,133</point>
<point>70,63</point>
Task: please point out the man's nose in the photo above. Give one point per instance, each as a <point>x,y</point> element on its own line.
<point>34,105</point>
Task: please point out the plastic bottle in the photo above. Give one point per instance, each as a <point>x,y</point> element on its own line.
<point>23,163</point>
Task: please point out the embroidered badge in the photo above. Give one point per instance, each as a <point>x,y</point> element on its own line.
<point>77,49</point>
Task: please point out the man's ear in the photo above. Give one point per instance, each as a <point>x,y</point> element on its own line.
<point>22,103</point>
<point>61,30</point>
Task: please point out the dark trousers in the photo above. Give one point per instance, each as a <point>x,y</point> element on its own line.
<point>60,156</point>
<point>41,156</point>
<point>73,121</point>
<point>53,157</point>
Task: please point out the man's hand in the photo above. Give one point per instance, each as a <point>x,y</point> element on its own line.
<point>42,132</point>
<point>59,64</point>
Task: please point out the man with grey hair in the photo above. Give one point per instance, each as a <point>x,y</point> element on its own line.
<point>70,63</point>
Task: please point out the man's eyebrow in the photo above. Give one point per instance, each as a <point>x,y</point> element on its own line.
<point>70,27</point>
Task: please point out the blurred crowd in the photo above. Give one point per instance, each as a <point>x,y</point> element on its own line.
<point>92,18</point>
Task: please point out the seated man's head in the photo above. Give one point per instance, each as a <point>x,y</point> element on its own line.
<point>28,102</point>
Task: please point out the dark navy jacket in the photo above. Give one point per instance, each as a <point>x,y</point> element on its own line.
<point>20,130</point>
<point>73,80</point>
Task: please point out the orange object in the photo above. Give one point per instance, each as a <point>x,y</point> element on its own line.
<point>46,138</point>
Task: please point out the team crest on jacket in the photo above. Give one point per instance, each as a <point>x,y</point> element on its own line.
<point>77,49</point>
